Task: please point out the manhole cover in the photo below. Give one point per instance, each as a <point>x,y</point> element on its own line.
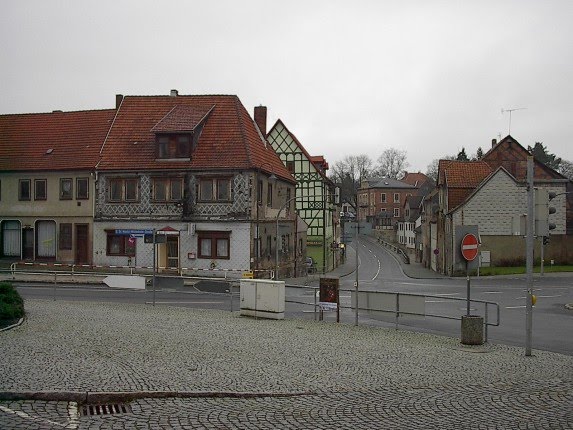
<point>105,409</point>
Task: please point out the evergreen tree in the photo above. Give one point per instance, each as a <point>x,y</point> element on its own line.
<point>479,153</point>
<point>462,156</point>
<point>539,151</point>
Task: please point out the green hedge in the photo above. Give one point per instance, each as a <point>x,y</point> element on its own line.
<point>11,304</point>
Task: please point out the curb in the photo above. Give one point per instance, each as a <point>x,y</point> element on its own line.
<point>123,396</point>
<point>19,323</point>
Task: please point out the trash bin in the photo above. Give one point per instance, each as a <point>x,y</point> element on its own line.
<point>472,330</point>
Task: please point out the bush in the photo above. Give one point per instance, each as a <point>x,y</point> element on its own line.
<point>11,304</point>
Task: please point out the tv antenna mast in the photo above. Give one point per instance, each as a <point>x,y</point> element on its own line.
<point>510,111</point>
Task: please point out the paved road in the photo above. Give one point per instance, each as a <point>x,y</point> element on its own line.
<point>225,371</point>
<point>380,271</point>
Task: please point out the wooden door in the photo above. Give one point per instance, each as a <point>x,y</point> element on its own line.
<point>82,244</point>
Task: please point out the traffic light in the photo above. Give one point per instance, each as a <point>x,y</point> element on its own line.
<point>546,240</point>
<point>542,211</point>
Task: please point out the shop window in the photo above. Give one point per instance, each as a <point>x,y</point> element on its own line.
<point>120,245</point>
<point>214,245</point>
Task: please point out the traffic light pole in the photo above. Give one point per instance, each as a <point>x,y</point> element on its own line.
<point>529,258</point>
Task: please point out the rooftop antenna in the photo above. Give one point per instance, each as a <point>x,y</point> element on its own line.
<point>510,111</point>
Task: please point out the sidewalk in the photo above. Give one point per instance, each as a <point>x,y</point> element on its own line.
<point>189,368</point>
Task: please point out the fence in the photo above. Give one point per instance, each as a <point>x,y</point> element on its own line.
<point>395,304</point>
<point>398,305</point>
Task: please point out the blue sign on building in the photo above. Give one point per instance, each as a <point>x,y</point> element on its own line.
<point>129,232</point>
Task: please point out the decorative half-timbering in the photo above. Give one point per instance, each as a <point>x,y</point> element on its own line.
<point>315,196</point>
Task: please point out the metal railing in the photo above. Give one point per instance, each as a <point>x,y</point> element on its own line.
<point>395,249</point>
<point>396,309</point>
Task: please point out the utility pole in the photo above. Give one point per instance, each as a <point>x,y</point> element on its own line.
<point>529,257</point>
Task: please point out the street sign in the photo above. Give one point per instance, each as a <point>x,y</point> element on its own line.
<point>470,247</point>
<point>131,232</point>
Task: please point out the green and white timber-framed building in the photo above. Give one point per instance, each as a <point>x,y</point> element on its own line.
<point>316,197</point>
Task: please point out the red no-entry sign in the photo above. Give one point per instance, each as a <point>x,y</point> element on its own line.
<point>469,247</point>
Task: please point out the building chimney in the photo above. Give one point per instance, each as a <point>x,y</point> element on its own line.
<point>493,142</point>
<point>118,100</point>
<point>174,93</point>
<point>261,119</point>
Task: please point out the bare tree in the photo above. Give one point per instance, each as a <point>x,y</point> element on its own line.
<point>566,169</point>
<point>432,169</point>
<point>347,174</point>
<point>392,163</point>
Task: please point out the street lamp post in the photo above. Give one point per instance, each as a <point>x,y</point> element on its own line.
<point>277,233</point>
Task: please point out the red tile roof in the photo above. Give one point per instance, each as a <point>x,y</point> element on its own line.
<point>229,139</point>
<point>461,178</point>
<point>463,174</point>
<point>415,179</point>
<point>53,141</point>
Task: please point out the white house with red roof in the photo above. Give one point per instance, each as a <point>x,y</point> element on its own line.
<point>197,170</point>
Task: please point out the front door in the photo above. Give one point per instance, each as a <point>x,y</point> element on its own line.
<point>82,243</point>
<point>28,241</point>
<point>173,252</point>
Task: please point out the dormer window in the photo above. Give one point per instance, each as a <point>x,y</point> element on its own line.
<point>171,146</point>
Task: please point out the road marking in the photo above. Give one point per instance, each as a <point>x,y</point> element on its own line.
<point>181,302</point>
<point>378,271</point>
<point>438,301</point>
<point>492,292</point>
<point>446,294</point>
<point>514,307</point>
<point>548,297</point>
<point>30,417</point>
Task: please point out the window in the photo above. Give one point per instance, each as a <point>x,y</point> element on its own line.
<point>396,213</point>
<point>396,197</point>
<point>120,245</point>
<point>269,195</point>
<point>65,241</point>
<point>213,245</point>
<point>407,212</point>
<point>166,189</point>
<point>82,188</point>
<point>66,191</point>
<point>121,189</point>
<point>24,189</point>
<point>215,189</point>
<point>174,146</point>
<point>260,192</point>
<point>290,166</point>
<point>383,197</point>
<point>40,191</point>
<point>288,201</point>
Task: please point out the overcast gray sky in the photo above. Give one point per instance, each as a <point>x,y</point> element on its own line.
<point>347,77</point>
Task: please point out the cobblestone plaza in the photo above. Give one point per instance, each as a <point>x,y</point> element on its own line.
<point>189,368</point>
